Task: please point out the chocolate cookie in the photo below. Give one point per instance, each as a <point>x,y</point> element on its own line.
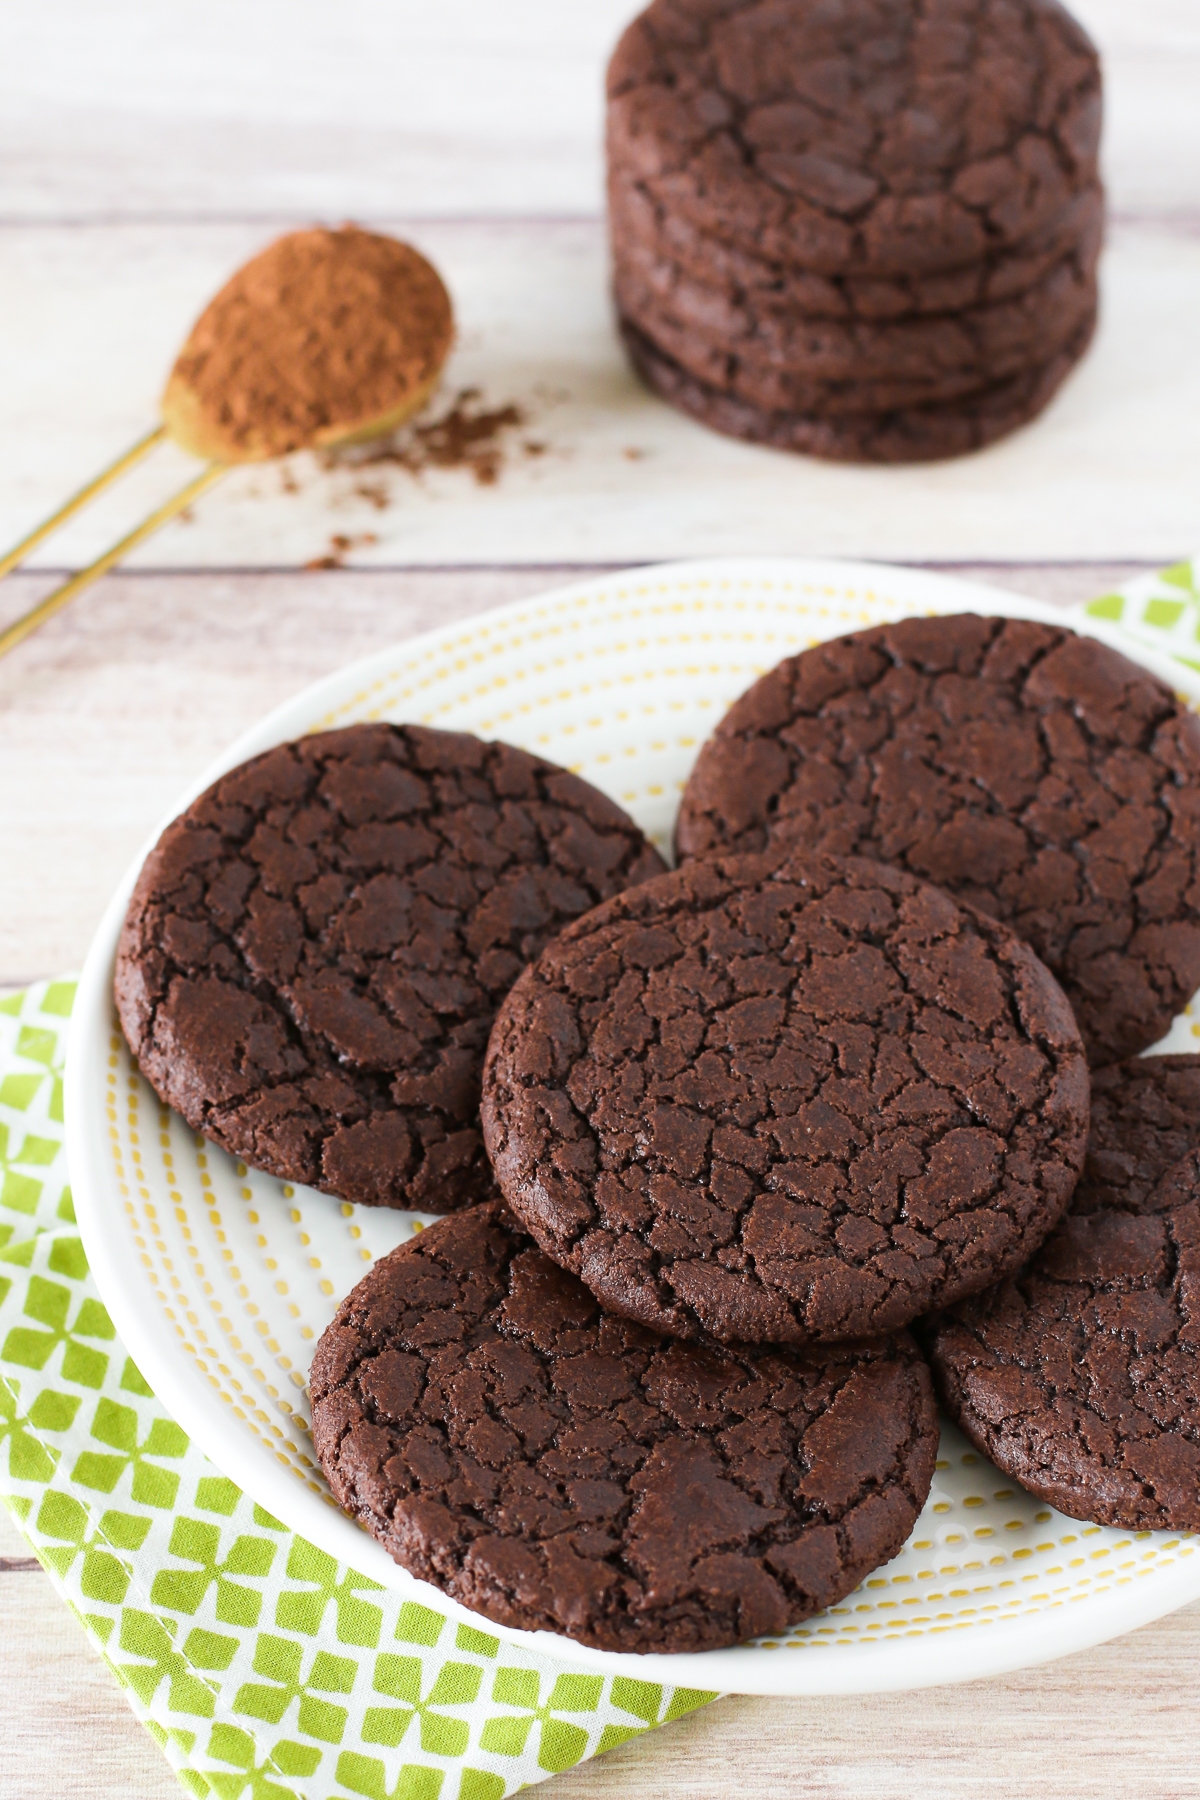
<point>1080,1377</point>
<point>902,435</point>
<point>1034,772</point>
<point>768,353</point>
<point>1178,1187</point>
<point>556,1469</point>
<point>1145,1120</point>
<point>736,381</point>
<point>784,1099</point>
<point>742,383</point>
<point>868,136</point>
<point>1005,274</point>
<point>315,949</point>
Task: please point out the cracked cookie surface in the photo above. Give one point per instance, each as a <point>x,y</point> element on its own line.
<point>1035,772</point>
<point>554,1468</point>
<point>1145,1118</point>
<point>638,223</point>
<point>785,1099</point>
<point>1080,1377</point>
<point>871,135</point>
<point>315,949</point>
<point>897,434</point>
<point>777,358</point>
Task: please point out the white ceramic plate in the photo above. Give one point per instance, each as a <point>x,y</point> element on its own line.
<point>220,1280</point>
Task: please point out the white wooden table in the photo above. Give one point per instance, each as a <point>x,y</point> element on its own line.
<point>146,151</point>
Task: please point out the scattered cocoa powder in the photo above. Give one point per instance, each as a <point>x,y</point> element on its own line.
<point>339,547</point>
<point>465,436</point>
<point>322,333</point>
<point>374,492</point>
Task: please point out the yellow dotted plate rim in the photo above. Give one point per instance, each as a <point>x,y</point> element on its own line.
<point>1089,1594</point>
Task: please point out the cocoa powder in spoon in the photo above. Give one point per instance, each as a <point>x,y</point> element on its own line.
<point>324,335</point>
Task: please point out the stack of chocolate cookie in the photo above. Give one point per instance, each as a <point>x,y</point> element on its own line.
<point>866,230</point>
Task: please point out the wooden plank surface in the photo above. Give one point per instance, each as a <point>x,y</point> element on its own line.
<point>212,109</point>
<point>614,475</point>
<point>146,151</point>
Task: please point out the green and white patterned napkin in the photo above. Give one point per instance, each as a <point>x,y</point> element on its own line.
<point>264,1669</point>
<point>1161,611</point>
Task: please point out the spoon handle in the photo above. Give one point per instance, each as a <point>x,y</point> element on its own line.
<point>134,454</point>
<point>20,628</point>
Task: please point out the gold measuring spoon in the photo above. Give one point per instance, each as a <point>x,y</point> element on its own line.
<point>326,338</point>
